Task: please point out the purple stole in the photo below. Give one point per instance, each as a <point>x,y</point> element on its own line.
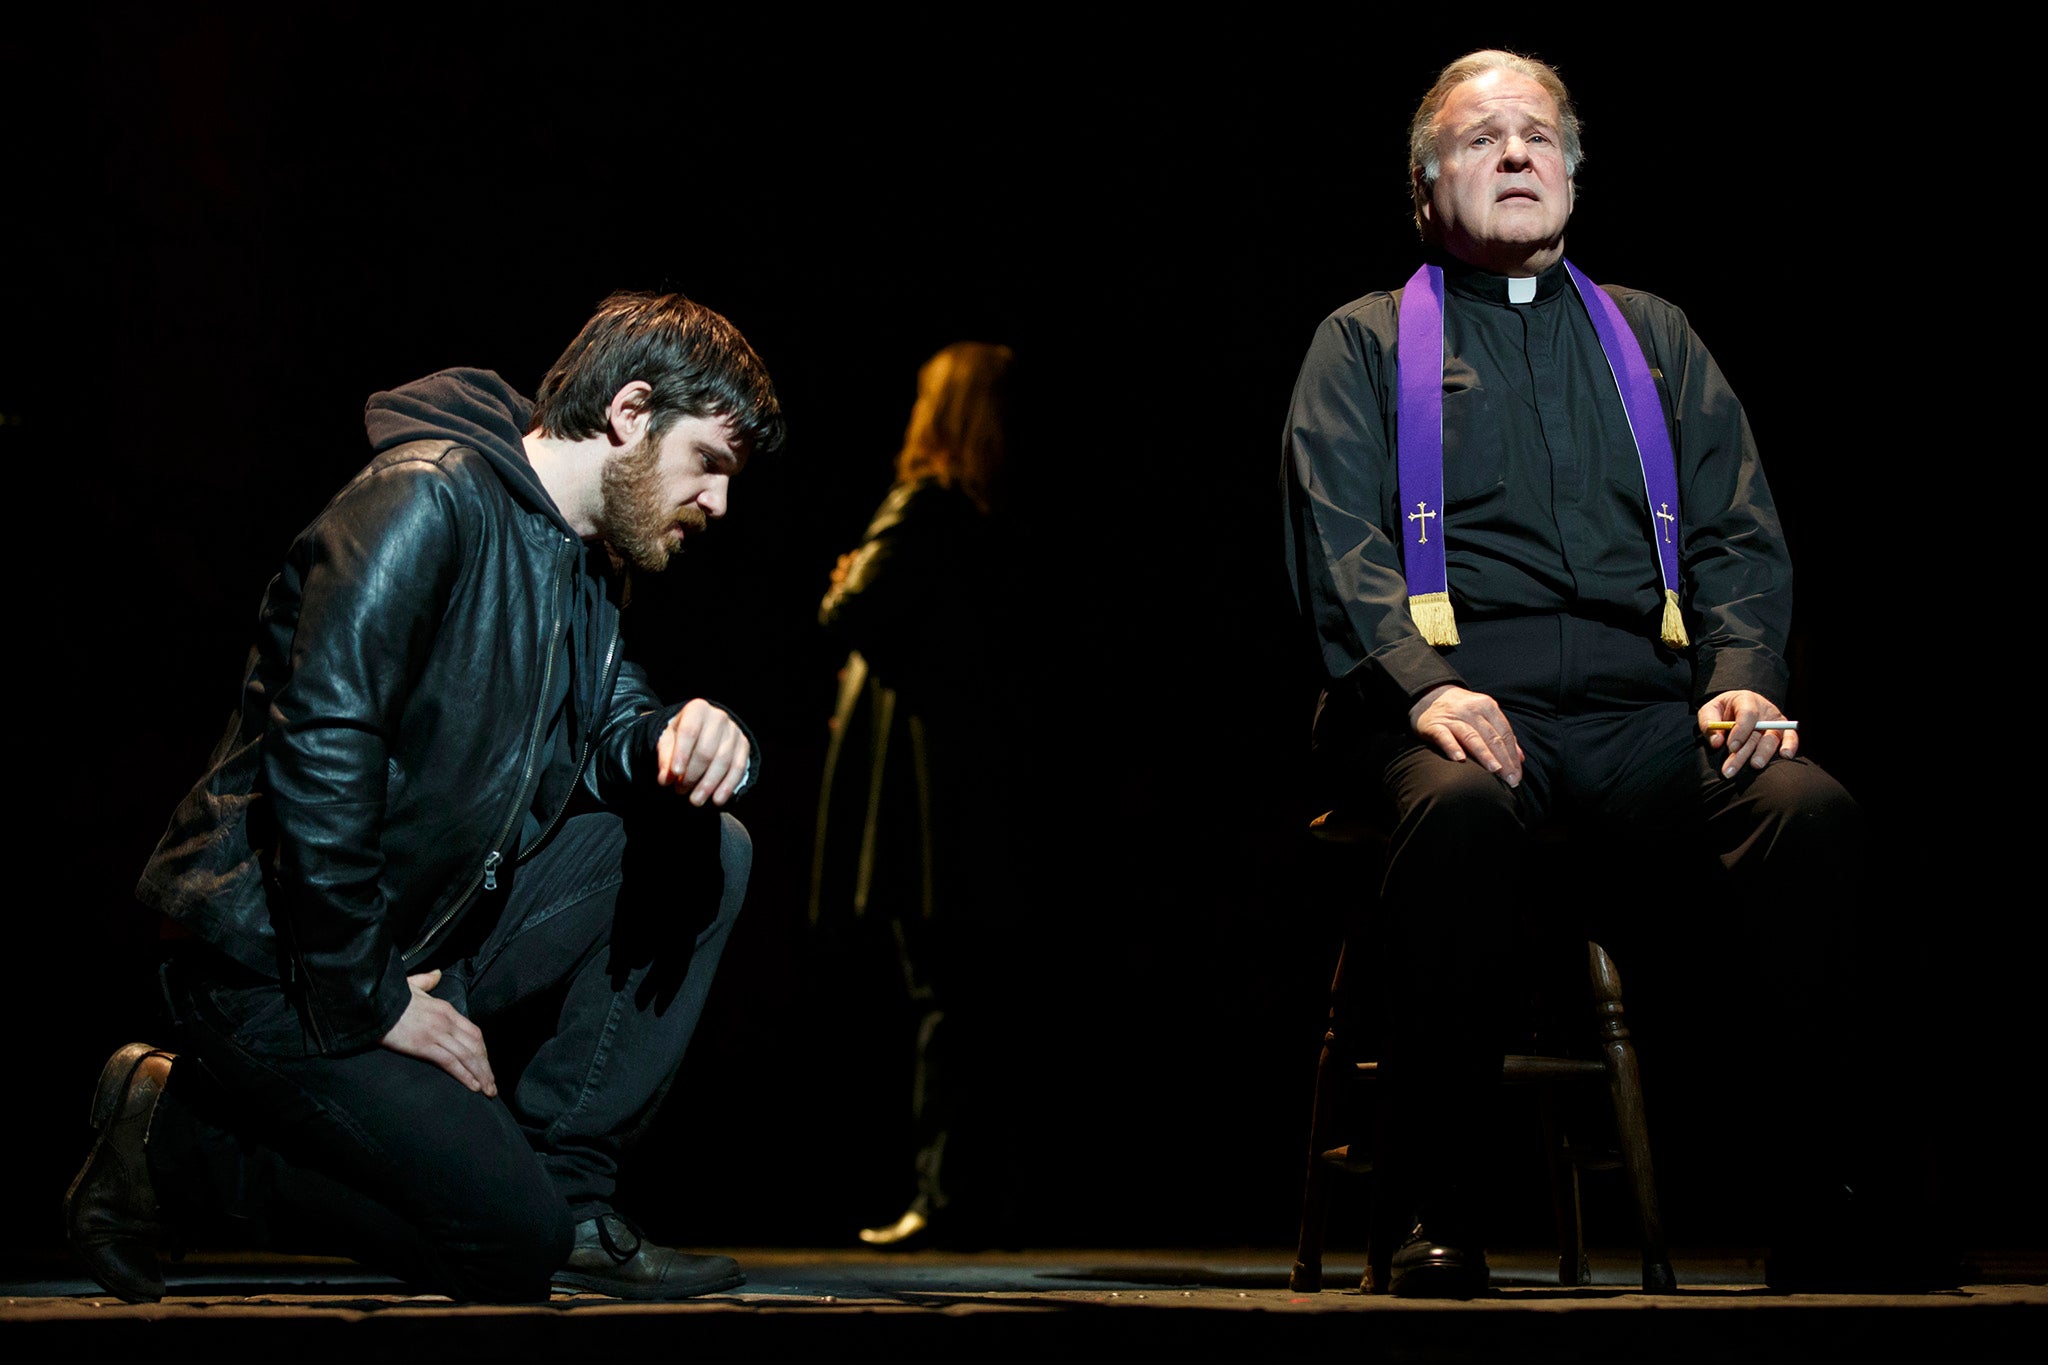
<point>1419,442</point>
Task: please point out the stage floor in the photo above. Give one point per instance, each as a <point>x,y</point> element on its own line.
<point>804,1304</point>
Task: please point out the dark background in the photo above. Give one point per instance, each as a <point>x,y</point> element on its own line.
<point>226,228</point>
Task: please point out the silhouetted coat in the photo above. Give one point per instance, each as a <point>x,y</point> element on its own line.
<point>912,777</point>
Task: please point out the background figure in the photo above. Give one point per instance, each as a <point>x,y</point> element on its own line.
<point>911,813</point>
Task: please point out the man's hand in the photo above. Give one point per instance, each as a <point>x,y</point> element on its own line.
<point>704,752</point>
<point>1462,723</point>
<point>1745,743</point>
<point>435,1031</point>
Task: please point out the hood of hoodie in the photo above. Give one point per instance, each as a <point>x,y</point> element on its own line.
<point>479,410</point>
<point>474,408</point>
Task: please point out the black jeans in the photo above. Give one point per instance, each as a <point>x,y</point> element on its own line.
<point>592,963</point>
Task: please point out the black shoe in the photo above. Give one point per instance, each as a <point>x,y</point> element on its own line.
<point>111,1217</point>
<point>610,1257</point>
<point>1425,1269</point>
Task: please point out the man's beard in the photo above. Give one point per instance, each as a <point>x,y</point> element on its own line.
<point>636,524</point>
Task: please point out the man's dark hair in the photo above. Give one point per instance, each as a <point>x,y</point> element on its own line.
<point>695,363</point>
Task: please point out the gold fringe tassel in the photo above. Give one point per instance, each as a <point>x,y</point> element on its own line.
<point>1674,624</point>
<point>1432,613</point>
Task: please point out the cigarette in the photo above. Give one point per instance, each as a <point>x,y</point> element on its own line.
<point>1760,725</point>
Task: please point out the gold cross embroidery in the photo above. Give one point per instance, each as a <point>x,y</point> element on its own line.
<point>1663,514</point>
<point>1421,514</point>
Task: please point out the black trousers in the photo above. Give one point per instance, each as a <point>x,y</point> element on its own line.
<point>1662,855</point>
<point>591,967</point>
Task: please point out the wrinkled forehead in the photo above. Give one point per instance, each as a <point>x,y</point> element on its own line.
<point>1496,96</point>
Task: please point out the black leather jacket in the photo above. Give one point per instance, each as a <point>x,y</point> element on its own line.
<point>389,742</point>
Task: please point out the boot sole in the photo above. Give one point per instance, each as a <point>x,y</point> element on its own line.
<point>591,1285</point>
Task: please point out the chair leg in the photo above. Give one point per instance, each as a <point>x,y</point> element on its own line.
<point>1307,1275</point>
<point>1572,1267</point>
<point>1625,1089</point>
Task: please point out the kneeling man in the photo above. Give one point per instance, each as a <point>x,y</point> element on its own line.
<point>446,798</point>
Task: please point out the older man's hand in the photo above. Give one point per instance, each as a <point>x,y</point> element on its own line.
<point>1465,724</point>
<point>1740,711</point>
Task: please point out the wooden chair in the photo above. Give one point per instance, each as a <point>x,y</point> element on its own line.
<point>1333,1152</point>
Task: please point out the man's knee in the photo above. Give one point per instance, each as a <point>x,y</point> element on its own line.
<point>1807,810</point>
<point>511,1254</point>
<point>1451,804</point>
<point>735,857</point>
<point>735,865</point>
<point>684,878</point>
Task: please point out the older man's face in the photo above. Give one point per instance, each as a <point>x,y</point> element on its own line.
<point>1502,197</point>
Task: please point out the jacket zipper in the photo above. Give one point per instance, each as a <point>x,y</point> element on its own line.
<point>488,873</point>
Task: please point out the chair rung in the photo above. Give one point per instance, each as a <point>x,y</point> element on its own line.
<point>1525,1068</point>
<point>1341,1158</point>
<point>1550,1068</point>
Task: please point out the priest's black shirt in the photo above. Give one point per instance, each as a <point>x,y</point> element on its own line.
<point>1546,511</point>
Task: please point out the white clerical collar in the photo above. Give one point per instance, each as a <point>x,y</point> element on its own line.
<point>1521,289</point>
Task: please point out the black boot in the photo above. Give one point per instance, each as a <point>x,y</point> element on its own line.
<point>609,1256</point>
<point>111,1216</point>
